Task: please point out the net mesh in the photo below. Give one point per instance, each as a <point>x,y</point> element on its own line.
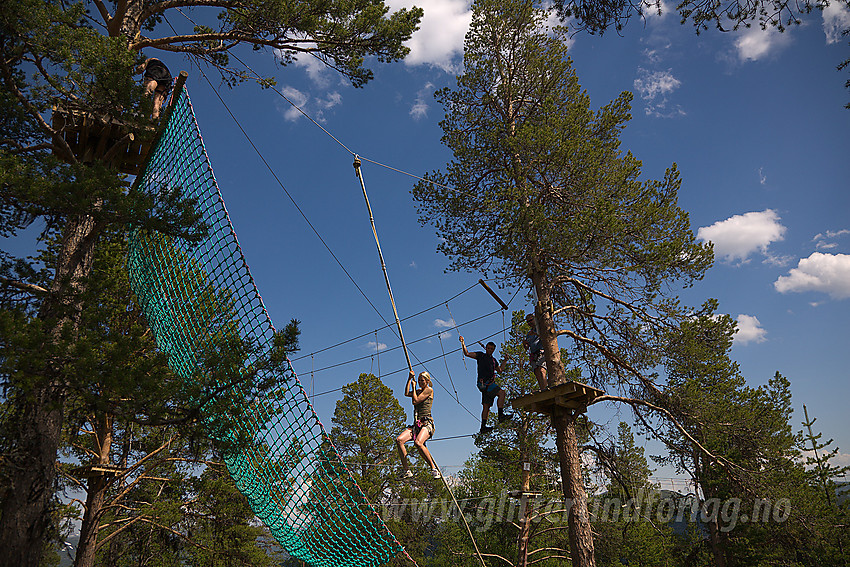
<point>201,303</point>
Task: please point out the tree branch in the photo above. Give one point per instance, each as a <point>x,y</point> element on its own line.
<point>167,43</point>
<point>104,13</point>
<point>549,557</point>
<point>483,555</point>
<point>33,111</point>
<point>32,288</point>
<point>727,465</point>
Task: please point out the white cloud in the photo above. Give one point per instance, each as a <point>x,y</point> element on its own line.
<point>655,10</point>
<point>838,460</point>
<point>318,72</point>
<point>739,236</point>
<point>821,239</point>
<point>777,260</point>
<point>654,87</point>
<point>314,107</point>
<point>412,264</point>
<point>419,109</point>
<point>826,245</point>
<point>372,346</point>
<point>552,21</point>
<point>441,324</point>
<point>333,99</point>
<point>749,330</point>
<point>295,97</point>
<point>445,335</point>
<point>827,273</point>
<point>755,43</point>
<point>439,40</point>
<point>836,19</point>
<point>762,176</point>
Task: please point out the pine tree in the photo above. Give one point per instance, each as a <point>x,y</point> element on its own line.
<point>130,416</point>
<point>541,195</point>
<point>366,422</point>
<point>627,513</point>
<point>60,53</point>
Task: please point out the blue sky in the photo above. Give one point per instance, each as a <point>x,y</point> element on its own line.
<point>754,119</point>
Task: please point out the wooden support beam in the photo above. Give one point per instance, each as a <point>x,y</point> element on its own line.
<point>571,395</point>
<point>92,471</point>
<point>519,494</point>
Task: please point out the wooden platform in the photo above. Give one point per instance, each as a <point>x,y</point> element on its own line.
<point>571,395</point>
<point>94,137</point>
<point>101,138</point>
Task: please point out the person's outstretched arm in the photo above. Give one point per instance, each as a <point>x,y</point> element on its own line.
<point>466,352</point>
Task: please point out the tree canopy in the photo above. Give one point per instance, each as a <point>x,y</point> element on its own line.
<point>540,194</point>
<point>80,56</point>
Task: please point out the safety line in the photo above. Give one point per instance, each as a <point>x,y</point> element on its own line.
<point>455,296</point>
<point>403,369</point>
<point>381,257</point>
<point>462,517</point>
<point>346,148</point>
<point>310,224</point>
<point>448,372</point>
<point>419,340</point>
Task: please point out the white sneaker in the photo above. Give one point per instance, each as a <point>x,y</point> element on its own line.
<point>405,474</point>
<point>436,473</point>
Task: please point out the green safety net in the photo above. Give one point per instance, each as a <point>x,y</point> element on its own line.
<point>200,300</point>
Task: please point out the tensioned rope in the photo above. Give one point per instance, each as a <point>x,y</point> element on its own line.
<point>391,349</point>
<point>411,316</point>
<point>383,264</point>
<point>423,362</point>
<point>202,304</point>
<point>268,166</point>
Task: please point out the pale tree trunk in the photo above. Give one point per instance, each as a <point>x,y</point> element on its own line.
<point>581,537</point>
<point>563,420</point>
<point>25,512</point>
<point>715,537</point>
<point>526,506</point>
<point>524,531</point>
<point>97,486</point>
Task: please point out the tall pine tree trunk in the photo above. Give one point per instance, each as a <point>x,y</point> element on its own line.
<point>526,506</point>
<point>581,537</point>
<point>563,420</point>
<point>97,486</point>
<point>25,513</point>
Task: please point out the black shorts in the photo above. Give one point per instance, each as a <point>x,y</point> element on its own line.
<point>488,392</point>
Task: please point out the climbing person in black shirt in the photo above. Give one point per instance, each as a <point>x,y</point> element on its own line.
<point>487,368</point>
<point>157,82</point>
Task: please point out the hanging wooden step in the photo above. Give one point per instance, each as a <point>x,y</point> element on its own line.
<point>92,471</point>
<point>98,137</point>
<point>570,395</point>
<point>524,494</point>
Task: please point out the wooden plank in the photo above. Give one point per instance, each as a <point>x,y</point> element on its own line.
<point>544,395</point>
<point>571,395</point>
<point>570,390</point>
<point>104,134</point>
<point>568,403</point>
<point>520,494</point>
<point>92,471</point>
<point>93,137</point>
